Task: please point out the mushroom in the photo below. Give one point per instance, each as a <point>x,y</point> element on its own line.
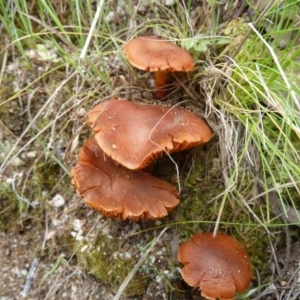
<point>134,134</point>
<point>218,265</point>
<point>151,53</point>
<point>118,192</point>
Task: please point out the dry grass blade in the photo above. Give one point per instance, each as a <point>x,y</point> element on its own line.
<point>139,263</point>
<point>285,79</point>
<point>9,157</point>
<point>91,31</point>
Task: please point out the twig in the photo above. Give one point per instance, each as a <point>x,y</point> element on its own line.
<point>19,197</point>
<point>89,37</point>
<point>29,278</point>
<point>4,62</point>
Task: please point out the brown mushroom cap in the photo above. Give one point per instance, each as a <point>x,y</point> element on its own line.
<point>134,134</point>
<point>151,53</point>
<point>118,192</point>
<point>218,265</point>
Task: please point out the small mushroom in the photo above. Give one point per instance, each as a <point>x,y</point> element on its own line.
<point>118,192</point>
<point>134,134</point>
<point>218,265</point>
<point>151,53</point>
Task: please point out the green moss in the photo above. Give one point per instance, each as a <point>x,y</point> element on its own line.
<point>200,201</point>
<point>109,264</point>
<point>8,207</point>
<point>47,174</point>
<point>199,186</point>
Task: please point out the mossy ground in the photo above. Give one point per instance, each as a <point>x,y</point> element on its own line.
<point>107,262</point>
<point>201,182</point>
<point>216,188</point>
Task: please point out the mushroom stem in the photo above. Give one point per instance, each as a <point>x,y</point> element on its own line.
<point>160,82</point>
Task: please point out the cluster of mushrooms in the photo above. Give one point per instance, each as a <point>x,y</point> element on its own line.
<point>113,170</point>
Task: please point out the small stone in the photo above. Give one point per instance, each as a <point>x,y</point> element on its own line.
<point>81,112</point>
<point>158,222</point>
<point>169,2</point>
<point>9,181</point>
<point>57,201</point>
<point>111,17</point>
<point>18,162</point>
<point>106,230</point>
<point>283,283</point>
<point>77,224</point>
<point>77,235</point>
<point>31,154</point>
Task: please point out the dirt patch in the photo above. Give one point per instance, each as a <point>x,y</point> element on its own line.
<point>52,246</point>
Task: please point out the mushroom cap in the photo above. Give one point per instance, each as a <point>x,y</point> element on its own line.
<point>218,265</point>
<point>135,134</point>
<point>118,192</point>
<point>151,53</point>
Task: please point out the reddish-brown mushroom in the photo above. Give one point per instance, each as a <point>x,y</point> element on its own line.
<point>118,192</point>
<point>135,134</point>
<point>218,265</point>
<point>153,54</point>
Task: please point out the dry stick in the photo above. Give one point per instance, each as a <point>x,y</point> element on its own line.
<point>19,197</point>
<point>30,278</point>
<point>89,37</point>
<point>4,61</point>
<point>241,44</point>
<point>132,273</point>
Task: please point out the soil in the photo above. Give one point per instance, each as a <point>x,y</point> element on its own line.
<point>52,246</point>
